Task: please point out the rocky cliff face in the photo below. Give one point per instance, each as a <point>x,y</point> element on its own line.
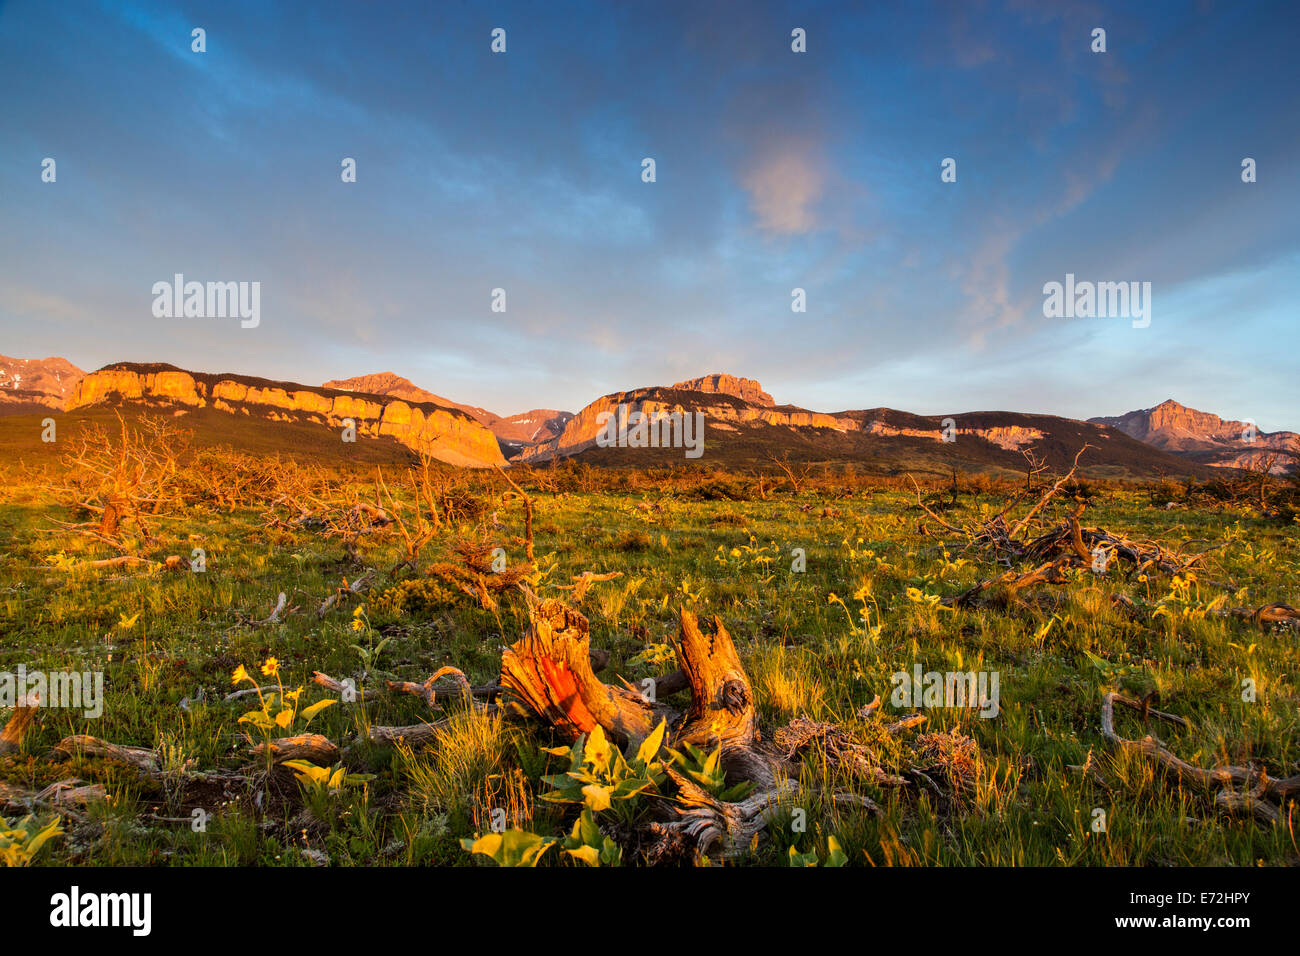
<point>1214,440</point>
<point>1175,427</point>
<point>720,410</point>
<point>1006,437</point>
<point>537,425</point>
<point>447,434</point>
<point>392,384</point>
<point>722,384</point>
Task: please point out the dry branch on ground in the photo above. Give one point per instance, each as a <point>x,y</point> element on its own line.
<point>1237,789</point>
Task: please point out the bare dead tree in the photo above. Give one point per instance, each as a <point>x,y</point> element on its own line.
<point>1262,474</point>
<point>1050,494</point>
<point>127,479</point>
<point>1034,466</point>
<point>416,533</point>
<point>796,480</point>
<point>528,515</point>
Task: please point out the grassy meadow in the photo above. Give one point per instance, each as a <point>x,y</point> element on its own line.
<point>875,596</point>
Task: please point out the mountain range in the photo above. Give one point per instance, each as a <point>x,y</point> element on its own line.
<point>744,423</point>
<point>1207,438</point>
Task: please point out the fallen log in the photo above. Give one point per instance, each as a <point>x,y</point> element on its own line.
<point>142,758</point>
<point>67,797</point>
<point>1276,613</point>
<point>314,747</point>
<point>119,562</point>
<point>584,581</point>
<point>280,604</point>
<point>1009,584</point>
<point>412,735</point>
<point>359,585</point>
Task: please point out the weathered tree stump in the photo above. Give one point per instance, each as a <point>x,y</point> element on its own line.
<point>722,704</point>
<point>11,737</point>
<point>548,671</point>
<point>548,674</point>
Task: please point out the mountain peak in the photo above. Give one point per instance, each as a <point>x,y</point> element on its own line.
<point>724,384</point>
<point>385,383</point>
<point>51,375</point>
<point>1174,427</point>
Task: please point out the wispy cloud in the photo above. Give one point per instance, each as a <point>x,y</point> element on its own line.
<point>785,187</point>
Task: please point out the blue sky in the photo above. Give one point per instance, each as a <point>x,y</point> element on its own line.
<point>775,170</point>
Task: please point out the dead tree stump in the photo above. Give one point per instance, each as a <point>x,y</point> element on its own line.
<point>549,672</point>
<point>722,703</point>
<point>11,737</point>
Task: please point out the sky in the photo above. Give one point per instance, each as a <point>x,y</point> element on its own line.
<point>774,170</point>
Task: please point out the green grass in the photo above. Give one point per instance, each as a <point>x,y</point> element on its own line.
<point>160,638</point>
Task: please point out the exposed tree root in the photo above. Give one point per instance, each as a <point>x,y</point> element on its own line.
<point>416,735</point>
<point>422,734</point>
<point>1235,789</point>
<point>708,823</point>
<point>426,690</point>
